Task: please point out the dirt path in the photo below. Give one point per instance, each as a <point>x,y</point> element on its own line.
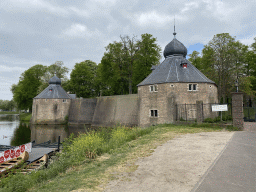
<point>175,166</point>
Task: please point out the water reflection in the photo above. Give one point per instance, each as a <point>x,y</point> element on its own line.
<point>43,133</point>
<point>14,133</point>
<point>8,124</point>
<point>21,135</point>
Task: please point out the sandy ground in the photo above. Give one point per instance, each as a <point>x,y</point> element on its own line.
<point>176,165</point>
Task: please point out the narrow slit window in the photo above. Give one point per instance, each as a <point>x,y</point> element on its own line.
<point>194,87</point>
<point>190,87</point>
<point>151,88</point>
<point>152,113</point>
<point>155,88</point>
<point>156,113</point>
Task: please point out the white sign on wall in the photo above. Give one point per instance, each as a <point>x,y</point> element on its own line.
<point>220,107</point>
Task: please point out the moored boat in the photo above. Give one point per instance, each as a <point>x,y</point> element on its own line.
<point>35,165</point>
<point>13,163</point>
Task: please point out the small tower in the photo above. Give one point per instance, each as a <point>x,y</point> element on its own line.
<point>51,106</point>
<point>174,81</point>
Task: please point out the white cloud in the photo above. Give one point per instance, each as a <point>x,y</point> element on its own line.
<point>4,68</point>
<point>189,6</point>
<point>152,18</point>
<point>80,31</point>
<point>31,6</point>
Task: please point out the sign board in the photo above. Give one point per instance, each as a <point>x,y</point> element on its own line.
<point>220,107</point>
<point>15,152</point>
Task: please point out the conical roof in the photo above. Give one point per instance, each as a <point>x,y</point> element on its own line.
<point>172,71</point>
<point>53,91</point>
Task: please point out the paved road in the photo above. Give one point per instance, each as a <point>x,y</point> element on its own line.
<point>235,168</point>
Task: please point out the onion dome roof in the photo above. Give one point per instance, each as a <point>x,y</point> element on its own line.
<point>175,48</point>
<point>55,80</point>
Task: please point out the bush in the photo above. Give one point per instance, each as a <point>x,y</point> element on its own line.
<point>209,120</point>
<point>88,145</point>
<point>181,119</point>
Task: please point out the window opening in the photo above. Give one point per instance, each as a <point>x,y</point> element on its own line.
<point>154,113</point>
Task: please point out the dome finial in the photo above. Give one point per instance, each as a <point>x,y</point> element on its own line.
<point>174,28</point>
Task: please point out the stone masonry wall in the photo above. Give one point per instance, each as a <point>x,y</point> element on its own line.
<point>82,110</point>
<point>50,111</point>
<point>113,110</point>
<point>167,96</point>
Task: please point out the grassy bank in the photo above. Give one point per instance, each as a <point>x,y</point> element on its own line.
<point>91,160</point>
<point>25,117</point>
<point>9,112</point>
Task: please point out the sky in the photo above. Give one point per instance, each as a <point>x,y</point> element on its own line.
<point>43,31</point>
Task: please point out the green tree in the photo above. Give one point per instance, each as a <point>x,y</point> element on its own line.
<point>26,89</point>
<point>57,69</point>
<point>148,54</point>
<point>127,63</point>
<point>196,60</point>
<point>225,57</point>
<point>82,79</point>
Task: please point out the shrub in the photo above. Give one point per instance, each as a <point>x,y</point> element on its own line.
<point>181,119</point>
<point>87,145</point>
<point>209,120</point>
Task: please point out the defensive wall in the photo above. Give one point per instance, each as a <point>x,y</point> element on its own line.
<point>119,109</point>
<point>82,110</point>
<point>105,111</point>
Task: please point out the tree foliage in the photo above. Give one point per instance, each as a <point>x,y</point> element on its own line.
<point>33,81</point>
<point>82,79</point>
<point>224,60</point>
<point>127,63</point>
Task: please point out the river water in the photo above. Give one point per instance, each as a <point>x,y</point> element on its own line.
<point>13,132</point>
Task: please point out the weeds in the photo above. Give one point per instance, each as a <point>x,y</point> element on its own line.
<point>81,150</point>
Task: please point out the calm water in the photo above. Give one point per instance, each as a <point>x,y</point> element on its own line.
<point>12,132</point>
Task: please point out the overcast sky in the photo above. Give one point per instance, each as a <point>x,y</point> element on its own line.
<point>43,31</point>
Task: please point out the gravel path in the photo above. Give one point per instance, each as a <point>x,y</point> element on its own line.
<point>175,166</point>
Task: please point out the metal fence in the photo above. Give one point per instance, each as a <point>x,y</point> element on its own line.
<point>249,114</point>
<point>188,112</point>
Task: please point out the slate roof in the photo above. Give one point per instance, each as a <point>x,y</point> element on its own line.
<point>73,96</point>
<point>171,71</point>
<point>53,91</point>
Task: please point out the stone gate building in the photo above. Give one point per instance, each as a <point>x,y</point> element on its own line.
<point>174,81</point>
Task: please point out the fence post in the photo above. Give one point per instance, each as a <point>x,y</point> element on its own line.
<point>237,110</point>
<point>199,111</point>
<point>186,111</point>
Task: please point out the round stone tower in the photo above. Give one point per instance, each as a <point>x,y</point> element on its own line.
<point>175,81</point>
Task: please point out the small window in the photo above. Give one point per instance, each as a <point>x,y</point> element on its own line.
<point>192,87</point>
<point>153,88</point>
<point>64,100</point>
<point>185,65</point>
<point>46,99</point>
<point>154,113</point>
<point>50,89</point>
<point>171,85</point>
<point>210,86</point>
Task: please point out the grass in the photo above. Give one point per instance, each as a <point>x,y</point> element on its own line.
<point>89,161</point>
<point>9,112</point>
<point>25,116</point>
